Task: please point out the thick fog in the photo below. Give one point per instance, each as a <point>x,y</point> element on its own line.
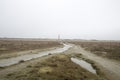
<point>74,19</point>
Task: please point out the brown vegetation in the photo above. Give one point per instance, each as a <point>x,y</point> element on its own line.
<point>21,45</point>
<point>109,49</point>
<point>58,67</point>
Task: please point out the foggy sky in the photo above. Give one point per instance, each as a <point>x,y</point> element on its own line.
<point>74,19</point>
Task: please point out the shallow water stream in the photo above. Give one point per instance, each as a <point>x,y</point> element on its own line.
<point>15,60</point>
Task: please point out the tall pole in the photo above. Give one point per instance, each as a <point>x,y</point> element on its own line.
<point>58,37</point>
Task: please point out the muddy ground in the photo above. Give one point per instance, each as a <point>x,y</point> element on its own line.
<point>55,67</point>
<point>110,67</point>
<point>60,67</point>
<point>51,67</point>
<point>106,49</point>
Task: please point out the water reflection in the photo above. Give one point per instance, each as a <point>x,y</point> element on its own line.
<point>84,64</point>
<point>15,60</point>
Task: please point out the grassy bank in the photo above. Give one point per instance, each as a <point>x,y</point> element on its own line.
<point>58,67</point>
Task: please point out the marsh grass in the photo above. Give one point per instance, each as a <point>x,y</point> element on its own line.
<point>10,46</point>
<point>58,67</point>
<point>109,49</point>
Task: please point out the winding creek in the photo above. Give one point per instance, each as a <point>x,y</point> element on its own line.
<point>15,60</point>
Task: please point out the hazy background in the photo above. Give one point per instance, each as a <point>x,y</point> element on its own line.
<point>79,19</point>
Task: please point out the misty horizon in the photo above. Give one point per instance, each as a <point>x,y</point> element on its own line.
<point>71,19</point>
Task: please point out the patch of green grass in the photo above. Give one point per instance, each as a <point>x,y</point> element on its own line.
<point>2,67</point>
<point>21,61</point>
<point>10,74</point>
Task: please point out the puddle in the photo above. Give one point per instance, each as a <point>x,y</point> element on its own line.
<point>15,60</point>
<point>84,64</point>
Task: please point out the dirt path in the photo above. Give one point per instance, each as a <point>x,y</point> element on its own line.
<point>110,67</point>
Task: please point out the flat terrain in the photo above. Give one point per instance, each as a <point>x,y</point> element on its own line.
<point>106,54</point>
<point>107,49</point>
<point>60,67</point>
<point>52,67</point>
<point>16,47</point>
<point>111,68</point>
